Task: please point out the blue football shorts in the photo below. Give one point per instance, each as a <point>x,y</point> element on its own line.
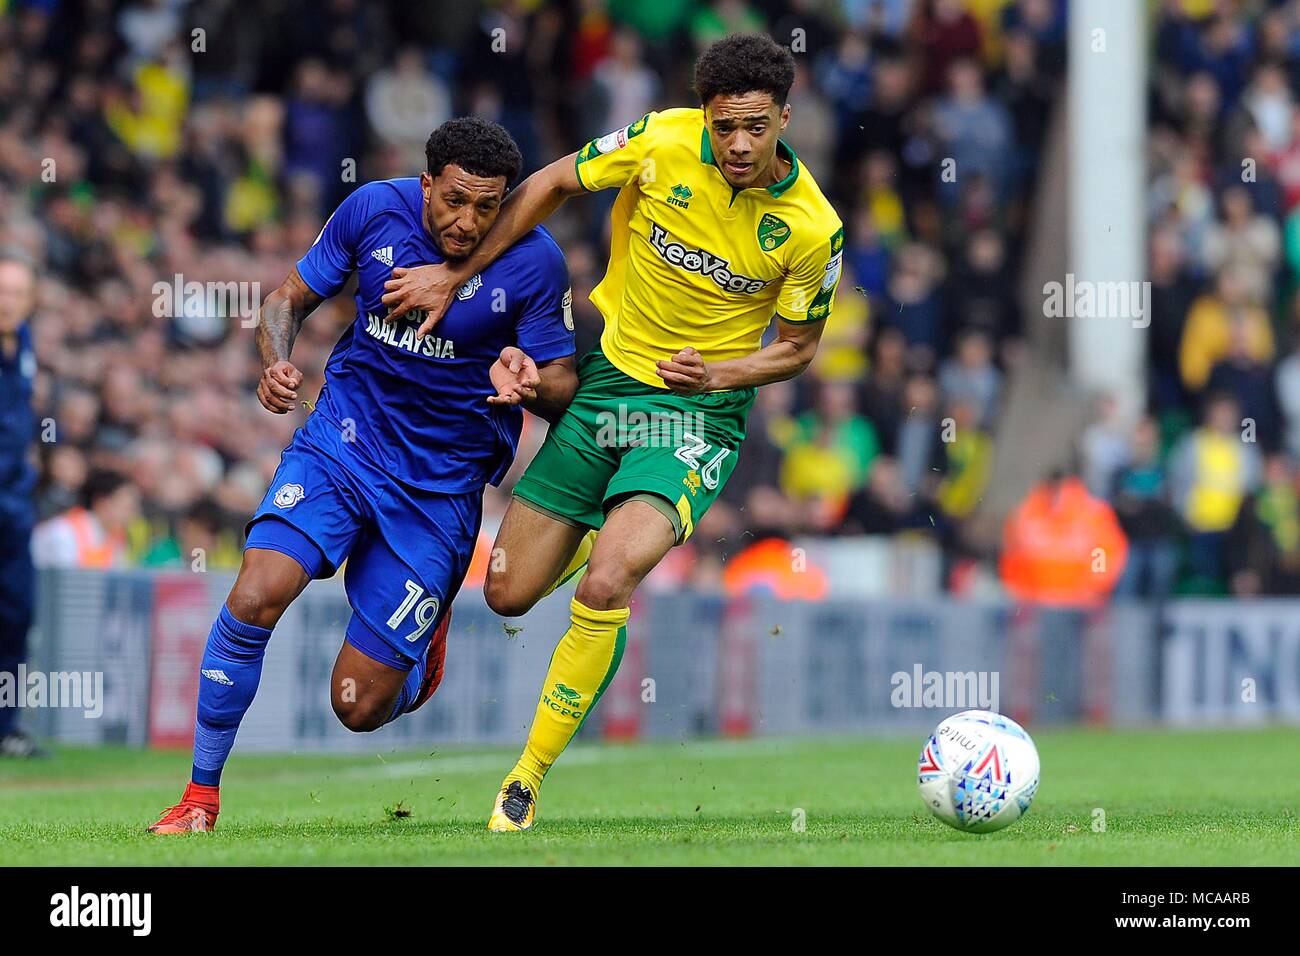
<point>407,549</point>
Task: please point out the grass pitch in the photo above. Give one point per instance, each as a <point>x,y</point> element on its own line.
<point>1169,798</point>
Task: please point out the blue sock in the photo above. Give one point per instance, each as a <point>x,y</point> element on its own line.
<point>410,688</point>
<point>231,668</point>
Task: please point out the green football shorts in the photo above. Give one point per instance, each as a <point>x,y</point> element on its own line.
<point>622,439</point>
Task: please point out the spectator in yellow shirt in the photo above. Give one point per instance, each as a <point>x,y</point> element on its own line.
<point>1208,335</point>
<point>1213,469</point>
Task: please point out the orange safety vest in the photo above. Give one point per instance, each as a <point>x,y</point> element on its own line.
<point>476,576</point>
<point>1065,550</point>
<point>89,553</point>
<point>771,564</point>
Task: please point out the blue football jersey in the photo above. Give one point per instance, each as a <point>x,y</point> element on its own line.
<point>419,409</point>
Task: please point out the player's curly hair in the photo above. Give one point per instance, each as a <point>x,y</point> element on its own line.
<point>476,145</point>
<point>743,63</point>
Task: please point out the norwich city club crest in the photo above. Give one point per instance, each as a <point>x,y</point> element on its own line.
<point>772,231</point>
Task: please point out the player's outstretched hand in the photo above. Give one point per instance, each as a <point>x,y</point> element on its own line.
<point>278,388</point>
<point>428,288</point>
<point>515,377</point>
<point>685,373</point>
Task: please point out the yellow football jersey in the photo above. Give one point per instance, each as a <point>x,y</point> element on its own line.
<point>693,262</point>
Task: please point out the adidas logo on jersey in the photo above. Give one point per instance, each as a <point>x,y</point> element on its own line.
<point>385,255</point>
<point>218,676</point>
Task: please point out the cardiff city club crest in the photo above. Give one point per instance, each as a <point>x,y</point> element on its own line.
<point>470,287</point>
<point>288,496</point>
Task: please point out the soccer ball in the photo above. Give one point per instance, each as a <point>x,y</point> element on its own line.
<point>978,771</point>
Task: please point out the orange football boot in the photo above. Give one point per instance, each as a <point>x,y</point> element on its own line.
<point>433,663</point>
<point>196,813</point>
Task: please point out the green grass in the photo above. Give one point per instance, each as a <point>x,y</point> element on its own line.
<point>1170,798</point>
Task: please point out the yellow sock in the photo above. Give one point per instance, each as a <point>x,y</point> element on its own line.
<point>582,666</point>
<point>578,562</point>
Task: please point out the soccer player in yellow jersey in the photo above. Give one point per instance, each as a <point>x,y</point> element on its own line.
<point>717,228</point>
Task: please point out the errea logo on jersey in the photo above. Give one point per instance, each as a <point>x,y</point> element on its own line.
<point>703,262</point>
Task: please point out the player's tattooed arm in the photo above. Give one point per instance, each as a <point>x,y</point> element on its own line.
<point>431,287</point>
<point>796,343</point>
<point>282,316</point>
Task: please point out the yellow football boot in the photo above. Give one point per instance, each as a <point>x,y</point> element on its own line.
<point>514,809</point>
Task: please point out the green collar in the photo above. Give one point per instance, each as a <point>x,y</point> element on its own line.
<point>782,148</point>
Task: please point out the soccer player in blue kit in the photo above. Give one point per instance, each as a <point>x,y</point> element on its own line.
<point>389,469</point>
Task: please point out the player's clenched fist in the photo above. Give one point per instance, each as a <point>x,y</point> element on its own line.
<point>685,373</point>
<point>278,388</point>
<point>515,377</point>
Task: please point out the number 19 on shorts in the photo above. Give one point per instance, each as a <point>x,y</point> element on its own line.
<point>426,611</point>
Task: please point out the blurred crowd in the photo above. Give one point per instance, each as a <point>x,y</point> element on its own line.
<point>145,140</point>
<point>1205,485</point>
